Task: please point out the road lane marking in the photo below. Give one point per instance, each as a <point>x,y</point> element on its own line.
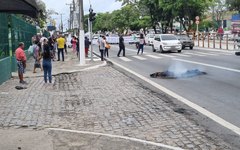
<point>183,55</point>
<point>208,65</point>
<point>195,54</point>
<point>207,53</point>
<point>125,59</point>
<point>164,55</point>
<point>198,108</point>
<point>153,56</point>
<point>139,57</point>
<point>117,137</point>
<point>221,53</point>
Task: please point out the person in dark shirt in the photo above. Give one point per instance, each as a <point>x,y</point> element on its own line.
<point>47,62</point>
<point>121,46</point>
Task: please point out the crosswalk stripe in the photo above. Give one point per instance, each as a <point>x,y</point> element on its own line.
<point>206,53</point>
<point>153,56</point>
<point>221,53</point>
<point>139,57</point>
<point>164,55</point>
<point>125,59</point>
<point>196,54</point>
<point>181,55</point>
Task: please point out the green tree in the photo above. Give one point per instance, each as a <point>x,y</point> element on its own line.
<point>234,5</point>
<point>151,9</point>
<point>185,11</point>
<point>127,2</point>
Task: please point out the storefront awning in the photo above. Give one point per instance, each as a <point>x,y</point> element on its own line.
<point>26,7</point>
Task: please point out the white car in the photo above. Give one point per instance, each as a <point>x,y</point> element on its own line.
<point>166,42</point>
<point>149,39</point>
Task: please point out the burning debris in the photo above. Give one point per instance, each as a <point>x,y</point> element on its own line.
<point>172,75</point>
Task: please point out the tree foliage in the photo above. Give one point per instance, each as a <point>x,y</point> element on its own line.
<point>234,5</point>
<point>137,14</point>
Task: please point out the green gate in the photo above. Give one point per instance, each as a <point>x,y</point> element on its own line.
<point>4,43</point>
<point>12,31</point>
<point>21,31</point>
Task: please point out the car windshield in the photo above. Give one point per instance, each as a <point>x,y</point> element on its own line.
<point>184,37</point>
<point>151,36</point>
<point>168,37</point>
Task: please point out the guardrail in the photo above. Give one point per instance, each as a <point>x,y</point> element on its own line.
<point>216,41</point>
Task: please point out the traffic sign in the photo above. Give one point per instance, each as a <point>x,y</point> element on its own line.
<point>197,22</point>
<point>197,18</point>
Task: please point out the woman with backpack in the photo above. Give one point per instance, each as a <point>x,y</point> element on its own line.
<point>47,62</point>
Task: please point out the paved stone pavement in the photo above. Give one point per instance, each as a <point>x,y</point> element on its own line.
<point>101,100</point>
<point>70,64</point>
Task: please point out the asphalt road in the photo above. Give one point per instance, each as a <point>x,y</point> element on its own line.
<point>218,91</point>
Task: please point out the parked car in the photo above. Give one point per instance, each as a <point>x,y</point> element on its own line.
<point>186,41</point>
<point>166,42</point>
<point>149,39</point>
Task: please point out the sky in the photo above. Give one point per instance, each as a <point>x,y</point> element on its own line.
<point>97,5</point>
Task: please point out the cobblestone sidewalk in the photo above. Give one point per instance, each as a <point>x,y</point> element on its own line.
<point>101,100</point>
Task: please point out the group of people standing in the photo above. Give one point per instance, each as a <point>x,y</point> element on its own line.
<point>43,49</point>
<point>104,47</point>
<point>75,45</point>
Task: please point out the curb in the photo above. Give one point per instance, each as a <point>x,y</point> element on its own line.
<point>67,72</point>
<point>117,138</point>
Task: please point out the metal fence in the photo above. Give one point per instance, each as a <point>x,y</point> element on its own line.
<point>4,43</point>
<point>21,32</point>
<point>216,41</point>
<point>12,31</point>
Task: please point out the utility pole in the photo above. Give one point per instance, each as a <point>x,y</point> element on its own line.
<point>61,23</point>
<point>81,33</point>
<point>71,15</point>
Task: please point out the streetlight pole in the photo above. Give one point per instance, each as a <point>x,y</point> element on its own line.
<point>81,33</point>
<point>61,23</point>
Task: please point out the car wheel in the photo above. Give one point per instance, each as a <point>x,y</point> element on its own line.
<point>179,51</point>
<point>153,49</point>
<point>161,49</point>
<point>191,47</point>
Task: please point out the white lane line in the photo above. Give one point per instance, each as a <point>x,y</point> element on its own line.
<point>153,56</point>
<point>117,136</point>
<point>164,55</point>
<point>221,53</point>
<point>139,57</point>
<point>125,59</point>
<point>183,55</point>
<point>203,111</point>
<point>207,53</point>
<point>208,65</point>
<point>195,54</point>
